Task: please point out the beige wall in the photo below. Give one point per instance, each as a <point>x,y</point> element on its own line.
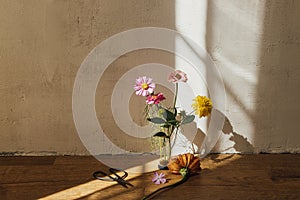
<point>255,45</point>
<point>43,43</point>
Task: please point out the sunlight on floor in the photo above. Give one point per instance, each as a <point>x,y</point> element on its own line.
<point>79,190</point>
<point>212,162</point>
<point>91,187</point>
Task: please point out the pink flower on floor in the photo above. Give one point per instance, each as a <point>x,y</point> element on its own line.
<point>155,98</point>
<point>159,178</point>
<point>144,86</point>
<point>177,76</point>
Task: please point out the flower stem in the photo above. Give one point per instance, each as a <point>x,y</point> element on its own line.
<point>175,97</point>
<point>184,178</point>
<point>175,137</point>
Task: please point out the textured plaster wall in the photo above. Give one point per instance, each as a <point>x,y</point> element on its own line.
<point>255,45</point>
<point>42,45</point>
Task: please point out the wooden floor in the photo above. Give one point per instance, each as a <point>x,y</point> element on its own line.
<point>232,176</point>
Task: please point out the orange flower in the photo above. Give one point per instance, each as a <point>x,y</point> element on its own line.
<point>187,161</point>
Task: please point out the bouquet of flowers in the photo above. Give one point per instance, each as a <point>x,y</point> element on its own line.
<point>169,119</point>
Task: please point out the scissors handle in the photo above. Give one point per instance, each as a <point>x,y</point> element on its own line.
<point>113,176</point>
<point>114,171</point>
<point>102,175</point>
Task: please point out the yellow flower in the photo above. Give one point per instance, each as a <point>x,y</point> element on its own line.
<point>202,106</point>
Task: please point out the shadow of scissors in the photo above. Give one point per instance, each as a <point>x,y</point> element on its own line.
<point>120,179</point>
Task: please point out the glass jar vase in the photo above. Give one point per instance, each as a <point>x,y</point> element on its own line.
<point>164,153</point>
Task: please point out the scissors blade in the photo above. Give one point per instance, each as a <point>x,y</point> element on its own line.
<point>124,183</point>
<point>129,184</point>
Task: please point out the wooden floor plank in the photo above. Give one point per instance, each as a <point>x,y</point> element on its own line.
<point>26,160</point>
<point>228,176</point>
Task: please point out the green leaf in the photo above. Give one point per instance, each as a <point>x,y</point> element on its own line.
<point>182,114</point>
<point>168,115</point>
<point>188,119</point>
<point>160,134</point>
<point>156,120</point>
<point>174,122</point>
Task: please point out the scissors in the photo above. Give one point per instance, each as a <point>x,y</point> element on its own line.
<point>114,177</point>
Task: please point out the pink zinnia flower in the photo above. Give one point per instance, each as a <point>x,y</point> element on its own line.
<point>144,86</point>
<point>155,98</point>
<point>177,76</point>
<point>159,178</point>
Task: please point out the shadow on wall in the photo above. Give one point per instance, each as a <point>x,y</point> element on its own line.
<point>241,144</point>
<point>277,101</point>
<point>238,143</point>
<point>259,59</point>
